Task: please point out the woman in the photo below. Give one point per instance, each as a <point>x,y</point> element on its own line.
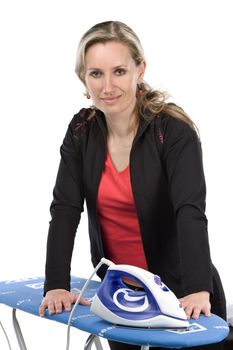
<point>136,160</point>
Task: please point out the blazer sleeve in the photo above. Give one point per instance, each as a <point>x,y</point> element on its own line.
<point>66,208</point>
<point>184,167</point>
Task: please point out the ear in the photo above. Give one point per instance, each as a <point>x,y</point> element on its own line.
<point>141,71</point>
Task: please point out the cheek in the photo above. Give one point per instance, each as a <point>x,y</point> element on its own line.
<point>90,84</point>
<point>128,84</point>
<point>134,85</point>
<point>94,87</point>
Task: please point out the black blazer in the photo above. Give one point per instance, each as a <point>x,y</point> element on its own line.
<point>169,192</point>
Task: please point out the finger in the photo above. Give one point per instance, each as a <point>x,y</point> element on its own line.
<point>184,304</point>
<point>42,309</point>
<point>196,313</point>
<point>58,306</point>
<point>51,308</point>
<point>206,311</point>
<point>188,310</point>
<point>84,301</point>
<point>67,305</point>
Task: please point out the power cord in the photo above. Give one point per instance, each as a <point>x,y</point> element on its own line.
<point>102,262</point>
<point>6,336</point>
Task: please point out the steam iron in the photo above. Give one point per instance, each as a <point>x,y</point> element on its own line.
<point>154,306</point>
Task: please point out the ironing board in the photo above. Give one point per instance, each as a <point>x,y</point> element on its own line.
<point>26,295</point>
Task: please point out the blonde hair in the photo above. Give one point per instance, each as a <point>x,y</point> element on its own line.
<point>150,102</point>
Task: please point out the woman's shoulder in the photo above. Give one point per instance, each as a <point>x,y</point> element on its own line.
<point>83,117</point>
<point>82,120</point>
<point>176,123</point>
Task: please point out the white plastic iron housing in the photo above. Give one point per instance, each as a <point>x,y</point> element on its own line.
<point>154,306</point>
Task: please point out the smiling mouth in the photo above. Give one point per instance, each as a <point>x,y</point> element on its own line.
<point>110,100</point>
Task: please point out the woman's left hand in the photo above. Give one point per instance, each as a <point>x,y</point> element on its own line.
<point>195,304</point>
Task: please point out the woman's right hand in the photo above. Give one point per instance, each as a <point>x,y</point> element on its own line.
<point>57,300</point>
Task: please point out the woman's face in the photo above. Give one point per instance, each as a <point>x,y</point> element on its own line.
<point>111,77</point>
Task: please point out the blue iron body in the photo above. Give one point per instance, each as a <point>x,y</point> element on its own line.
<point>154,305</point>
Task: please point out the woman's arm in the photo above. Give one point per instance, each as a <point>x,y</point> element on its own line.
<point>183,163</point>
<point>66,208</point>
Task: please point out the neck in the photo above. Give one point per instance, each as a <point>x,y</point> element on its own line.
<point>120,126</point>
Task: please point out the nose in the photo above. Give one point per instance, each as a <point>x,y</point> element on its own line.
<point>108,84</point>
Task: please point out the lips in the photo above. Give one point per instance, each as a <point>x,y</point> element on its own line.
<point>110,100</point>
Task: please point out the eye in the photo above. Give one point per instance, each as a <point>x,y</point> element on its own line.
<point>120,71</point>
<point>95,74</point>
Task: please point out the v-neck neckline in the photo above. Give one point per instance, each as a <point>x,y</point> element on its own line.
<point>112,166</point>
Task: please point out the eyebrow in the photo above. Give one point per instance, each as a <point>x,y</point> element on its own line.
<point>116,67</point>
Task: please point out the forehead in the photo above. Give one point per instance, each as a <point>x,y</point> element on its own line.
<point>110,53</point>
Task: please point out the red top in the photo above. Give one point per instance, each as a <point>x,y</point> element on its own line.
<point>118,218</point>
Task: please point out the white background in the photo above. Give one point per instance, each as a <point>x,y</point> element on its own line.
<point>188,46</point>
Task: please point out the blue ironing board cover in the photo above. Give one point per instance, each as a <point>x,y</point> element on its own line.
<point>26,295</point>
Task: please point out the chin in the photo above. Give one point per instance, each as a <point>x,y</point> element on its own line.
<point>110,109</point>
